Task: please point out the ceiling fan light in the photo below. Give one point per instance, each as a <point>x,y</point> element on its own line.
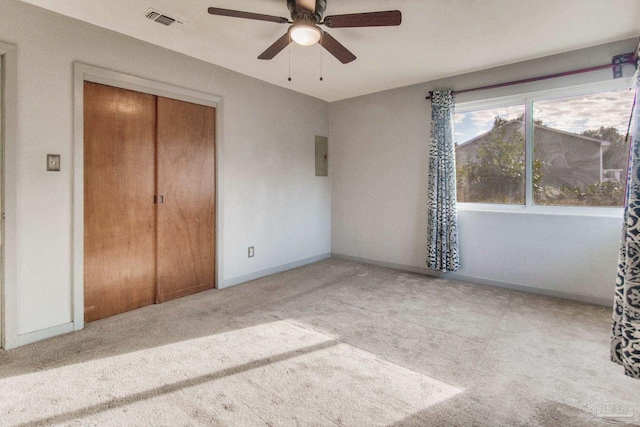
<point>305,35</point>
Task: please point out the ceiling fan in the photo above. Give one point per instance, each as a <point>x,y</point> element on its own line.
<point>306,16</point>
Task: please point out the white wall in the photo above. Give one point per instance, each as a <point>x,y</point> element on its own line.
<point>378,166</point>
<point>271,197</point>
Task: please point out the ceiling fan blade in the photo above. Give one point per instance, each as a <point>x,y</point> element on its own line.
<point>336,49</point>
<point>247,15</point>
<point>371,19</point>
<point>309,5</point>
<point>276,48</point>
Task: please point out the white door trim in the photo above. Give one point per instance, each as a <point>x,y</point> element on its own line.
<point>84,72</point>
<point>8,285</point>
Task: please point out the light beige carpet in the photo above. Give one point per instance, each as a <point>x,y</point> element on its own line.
<point>329,344</point>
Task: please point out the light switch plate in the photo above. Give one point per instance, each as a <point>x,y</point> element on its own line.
<point>251,252</point>
<point>53,162</point>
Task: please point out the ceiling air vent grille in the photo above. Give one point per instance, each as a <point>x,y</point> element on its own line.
<point>160,18</point>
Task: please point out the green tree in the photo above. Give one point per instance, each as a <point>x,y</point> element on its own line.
<point>536,122</point>
<point>497,175</point>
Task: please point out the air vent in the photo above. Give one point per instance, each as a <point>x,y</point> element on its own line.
<point>161,18</point>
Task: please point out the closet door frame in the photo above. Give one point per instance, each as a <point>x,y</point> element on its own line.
<point>8,191</point>
<point>87,73</point>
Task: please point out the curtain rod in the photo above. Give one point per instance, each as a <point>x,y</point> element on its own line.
<point>627,58</point>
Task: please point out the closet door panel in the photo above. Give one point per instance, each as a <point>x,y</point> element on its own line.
<point>119,214</point>
<point>186,189</point>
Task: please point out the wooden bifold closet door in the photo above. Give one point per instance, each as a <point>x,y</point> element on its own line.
<point>119,215</point>
<point>149,199</point>
<point>186,183</point>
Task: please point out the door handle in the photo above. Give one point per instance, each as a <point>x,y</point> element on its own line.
<point>158,200</point>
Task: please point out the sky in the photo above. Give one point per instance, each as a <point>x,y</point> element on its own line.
<point>574,114</point>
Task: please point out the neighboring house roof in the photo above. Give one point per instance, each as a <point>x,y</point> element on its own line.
<point>519,122</point>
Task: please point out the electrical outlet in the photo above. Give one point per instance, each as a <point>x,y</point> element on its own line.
<point>250,251</point>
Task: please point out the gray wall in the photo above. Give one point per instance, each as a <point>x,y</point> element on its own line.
<point>271,196</point>
<point>378,163</point>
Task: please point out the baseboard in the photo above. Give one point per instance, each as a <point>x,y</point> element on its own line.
<point>31,337</point>
<point>268,272</point>
<point>482,281</point>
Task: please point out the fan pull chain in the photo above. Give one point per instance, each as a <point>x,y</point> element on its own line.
<point>321,49</point>
<point>289,56</point>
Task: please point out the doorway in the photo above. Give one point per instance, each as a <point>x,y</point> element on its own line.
<point>8,233</point>
<point>2,248</point>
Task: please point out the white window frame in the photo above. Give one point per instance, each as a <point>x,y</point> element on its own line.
<point>527,99</point>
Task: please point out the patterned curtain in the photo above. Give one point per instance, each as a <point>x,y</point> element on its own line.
<point>625,339</point>
<point>442,216</point>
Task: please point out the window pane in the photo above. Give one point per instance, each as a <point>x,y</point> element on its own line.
<point>490,155</point>
<point>579,149</point>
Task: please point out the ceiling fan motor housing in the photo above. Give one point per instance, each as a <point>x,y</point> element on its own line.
<point>302,15</point>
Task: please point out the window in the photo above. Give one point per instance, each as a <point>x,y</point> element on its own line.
<point>580,149</point>
<point>490,160</point>
<point>577,145</point>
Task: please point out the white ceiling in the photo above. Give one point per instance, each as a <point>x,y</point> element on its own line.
<point>437,38</point>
